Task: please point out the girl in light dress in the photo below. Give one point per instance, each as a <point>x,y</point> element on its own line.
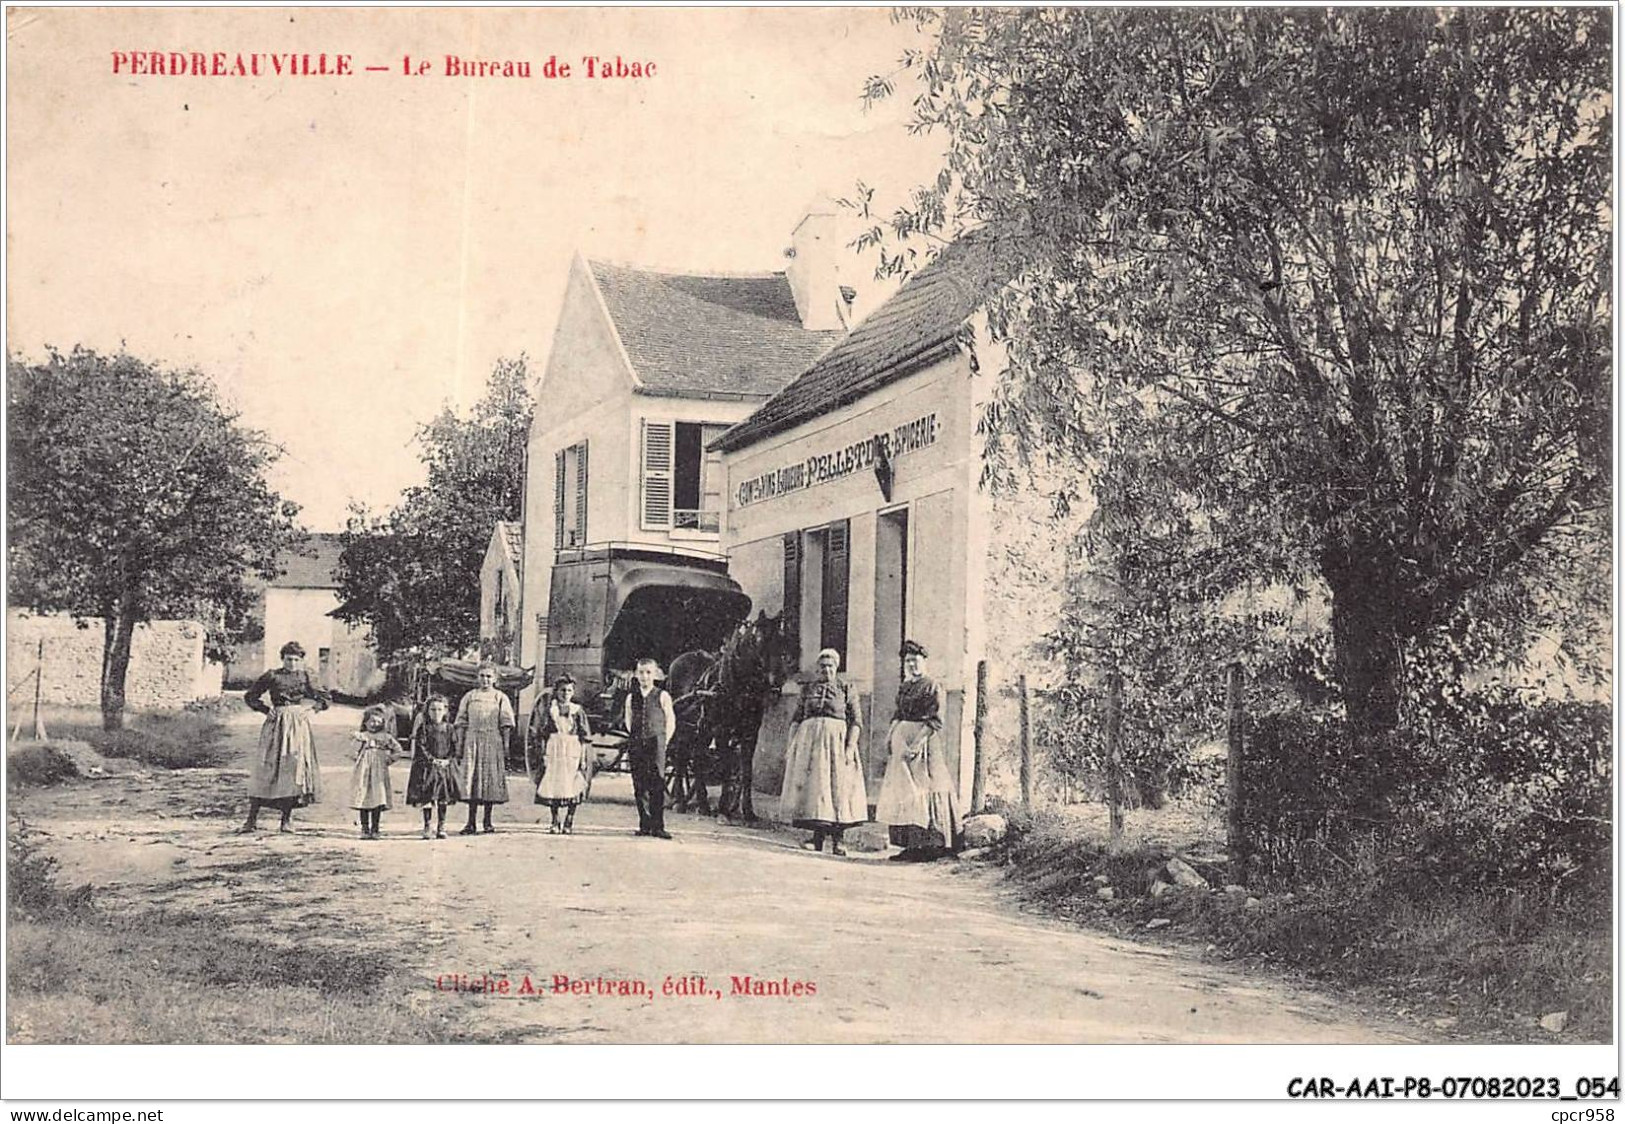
<point>375,751</point>
<point>566,763</point>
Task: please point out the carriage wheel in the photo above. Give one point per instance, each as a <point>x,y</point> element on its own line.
<point>675,795</point>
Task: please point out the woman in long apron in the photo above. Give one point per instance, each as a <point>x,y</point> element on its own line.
<point>484,723</point>
<point>823,772</point>
<point>919,799</point>
<point>286,774</point>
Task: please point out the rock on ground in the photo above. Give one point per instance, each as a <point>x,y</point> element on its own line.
<point>1184,875</point>
<point>985,830</point>
<point>867,838</point>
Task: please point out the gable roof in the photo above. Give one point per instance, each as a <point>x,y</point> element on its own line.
<point>312,564</point>
<point>692,335</point>
<point>916,327</point>
<point>512,537</point>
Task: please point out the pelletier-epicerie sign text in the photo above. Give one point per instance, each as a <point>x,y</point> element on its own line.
<point>821,468</point>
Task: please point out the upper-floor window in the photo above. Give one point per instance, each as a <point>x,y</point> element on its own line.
<point>570,496</point>
<point>682,481</point>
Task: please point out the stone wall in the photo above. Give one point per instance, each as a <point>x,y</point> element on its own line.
<point>167,668</point>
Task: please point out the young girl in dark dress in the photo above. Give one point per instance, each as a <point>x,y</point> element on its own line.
<point>436,777</point>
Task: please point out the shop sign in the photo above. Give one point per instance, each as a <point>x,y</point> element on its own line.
<point>877,452</point>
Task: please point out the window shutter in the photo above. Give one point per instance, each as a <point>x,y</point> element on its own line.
<point>837,555</point>
<point>790,621</point>
<point>558,500</point>
<point>712,479</point>
<point>657,464</point>
<point>581,494</point>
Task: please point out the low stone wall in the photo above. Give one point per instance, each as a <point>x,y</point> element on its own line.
<point>167,668</point>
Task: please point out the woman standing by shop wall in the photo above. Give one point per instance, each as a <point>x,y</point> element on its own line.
<point>919,798</point>
<point>823,772</point>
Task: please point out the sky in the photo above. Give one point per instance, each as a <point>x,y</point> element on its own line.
<point>345,254</point>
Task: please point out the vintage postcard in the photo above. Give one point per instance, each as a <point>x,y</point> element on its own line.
<point>1082,528</point>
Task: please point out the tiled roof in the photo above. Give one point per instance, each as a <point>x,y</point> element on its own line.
<point>700,336</point>
<point>513,538</point>
<point>312,564</point>
<point>907,332</point>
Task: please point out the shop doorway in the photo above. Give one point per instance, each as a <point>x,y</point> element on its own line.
<point>891,626</point>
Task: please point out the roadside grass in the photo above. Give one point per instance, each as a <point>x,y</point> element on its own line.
<point>38,764</point>
<point>80,974</point>
<point>1463,964</point>
<point>163,978</point>
<point>183,739</point>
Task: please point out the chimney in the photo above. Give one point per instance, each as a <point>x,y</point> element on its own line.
<point>815,248</point>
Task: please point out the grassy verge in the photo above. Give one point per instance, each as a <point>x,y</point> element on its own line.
<point>79,974</point>
<point>160,978</point>
<point>38,764</point>
<point>1478,965</point>
<point>185,739</point>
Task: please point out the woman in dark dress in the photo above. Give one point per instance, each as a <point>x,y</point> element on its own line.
<point>286,774</point>
<point>919,799</point>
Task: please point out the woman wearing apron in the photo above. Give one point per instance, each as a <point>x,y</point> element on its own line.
<point>286,774</point>
<point>484,723</point>
<point>919,799</point>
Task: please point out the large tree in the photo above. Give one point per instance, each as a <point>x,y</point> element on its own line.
<point>133,496</point>
<point>413,573</point>
<point>1317,297</point>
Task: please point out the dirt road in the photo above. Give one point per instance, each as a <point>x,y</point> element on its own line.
<point>721,935</point>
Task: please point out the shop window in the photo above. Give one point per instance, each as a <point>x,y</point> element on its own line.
<point>570,497</point>
<point>817,577</point>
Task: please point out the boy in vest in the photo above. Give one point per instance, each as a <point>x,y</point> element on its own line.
<point>650,721</point>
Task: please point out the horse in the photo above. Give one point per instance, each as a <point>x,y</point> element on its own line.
<point>690,757</point>
<point>719,701</point>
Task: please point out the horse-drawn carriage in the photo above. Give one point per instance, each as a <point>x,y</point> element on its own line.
<point>612,604</point>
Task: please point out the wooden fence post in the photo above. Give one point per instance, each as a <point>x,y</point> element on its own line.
<point>39,684</point>
<point>1235,725</point>
<point>1026,749</point>
<point>978,785</point>
<point>1114,753</point>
